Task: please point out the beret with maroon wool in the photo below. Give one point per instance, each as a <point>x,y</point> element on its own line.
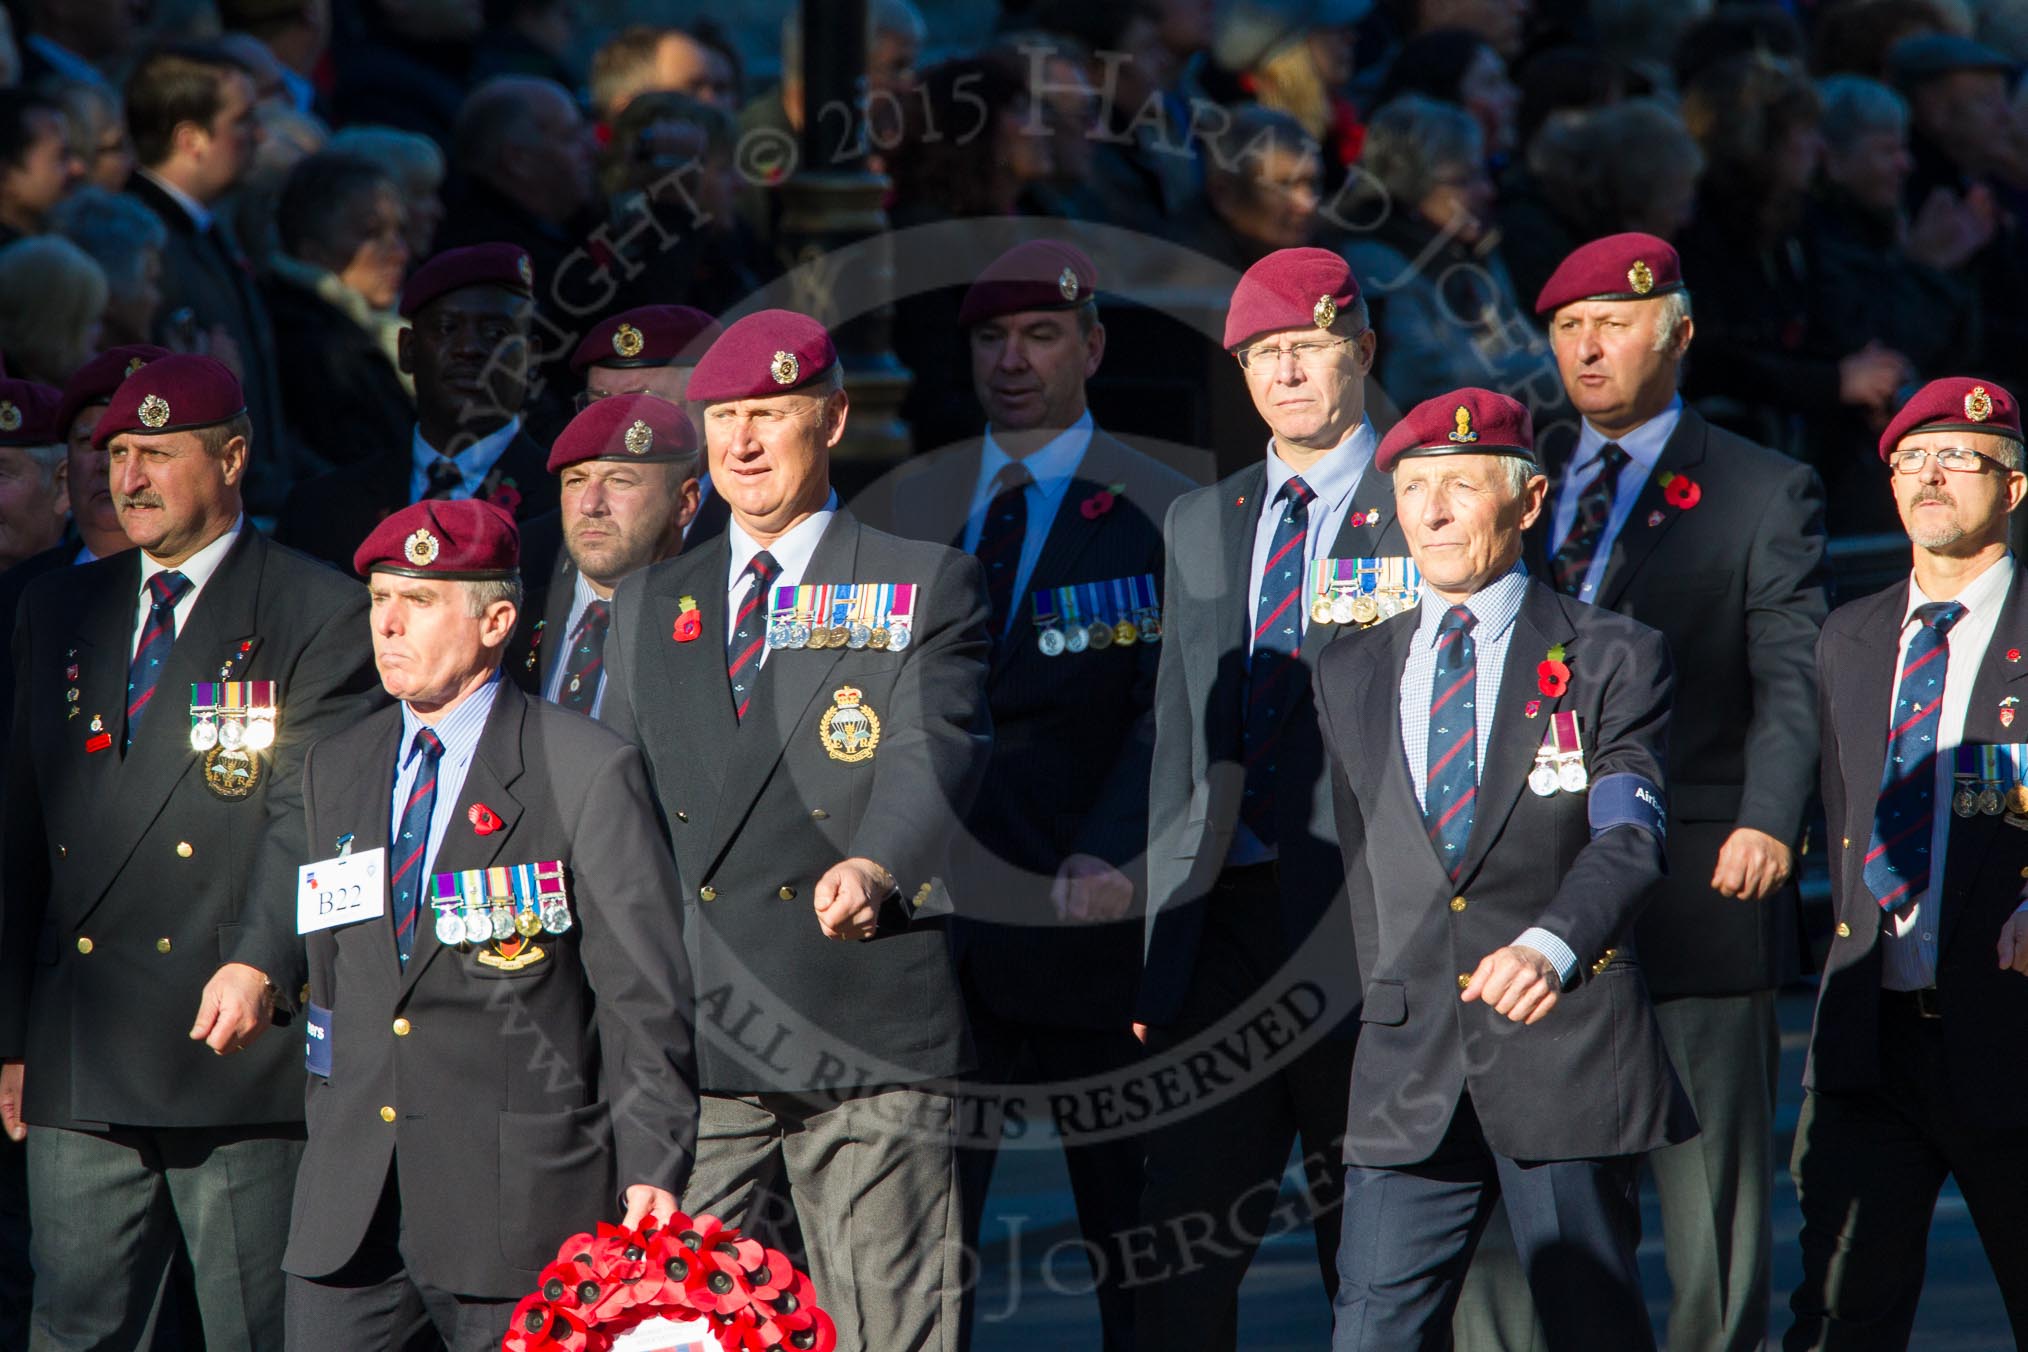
<point>629,427</point>
<point>1955,404</point>
<point>1470,421</point>
<point>1039,274</point>
<point>1630,266</point>
<point>649,335</point>
<point>176,393</point>
<point>502,265</point>
<point>28,413</point>
<point>1289,289</point>
<point>456,540</point>
<point>95,381</point>
<point>769,352</point>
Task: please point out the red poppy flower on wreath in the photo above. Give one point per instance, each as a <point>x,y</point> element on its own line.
<point>1681,491</point>
<point>484,819</point>
<point>1101,502</point>
<point>1552,676</point>
<point>537,1326</point>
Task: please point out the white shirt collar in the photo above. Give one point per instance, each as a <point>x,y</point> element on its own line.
<point>199,566</point>
<point>1643,445</point>
<point>1987,591</point>
<point>1334,478</point>
<point>199,214</point>
<point>792,552</point>
<point>1052,465</point>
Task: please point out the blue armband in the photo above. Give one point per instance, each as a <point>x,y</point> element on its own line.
<point>1627,800</point>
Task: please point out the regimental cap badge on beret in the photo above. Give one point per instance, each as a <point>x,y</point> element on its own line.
<point>1640,278</point>
<point>134,364</point>
<point>526,269</point>
<point>640,438</point>
<point>1324,312</point>
<point>1463,433</point>
<point>785,369</point>
<point>1978,404</point>
<point>154,411</point>
<point>1066,283</point>
<point>421,549</point>
<point>627,341</point>
<point>10,416</point>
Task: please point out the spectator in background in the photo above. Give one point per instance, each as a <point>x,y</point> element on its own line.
<point>1430,267</point>
<point>1762,370</point>
<point>34,506</point>
<point>524,157</point>
<point>1500,24</point>
<point>672,156</point>
<point>98,132</point>
<point>1454,65</point>
<point>1597,172</point>
<point>1297,60</point>
<point>1064,109</point>
<point>37,167</point>
<point>526,37</point>
<point>342,260</point>
<point>66,40</point>
<point>1564,79</point>
<point>126,240</point>
<point>52,302</point>
<point>1263,185</point>
<point>645,59</point>
<point>285,137</point>
<point>1854,37</point>
<point>714,35</point>
<point>417,167</point>
<point>1755,28</point>
<point>407,65</point>
<point>297,34</point>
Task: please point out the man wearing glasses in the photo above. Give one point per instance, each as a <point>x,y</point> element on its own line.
<point>1248,936</point>
<point>1923,1005</point>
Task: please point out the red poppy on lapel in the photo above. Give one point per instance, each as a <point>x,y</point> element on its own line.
<point>501,490</point>
<point>2013,654</point>
<point>1681,491</point>
<point>1101,502</point>
<point>689,620</point>
<point>484,820</point>
<point>1552,676</point>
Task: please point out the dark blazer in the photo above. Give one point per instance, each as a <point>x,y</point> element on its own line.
<point>13,583</point>
<point>527,1100</point>
<point>330,515</point>
<point>126,879</point>
<point>1072,738</point>
<point>340,393</point>
<point>1737,585</point>
<point>1199,772</point>
<point>209,273</point>
<point>709,523</point>
<point>1592,1079</point>
<point>541,631</point>
<point>1985,1009</point>
<point>759,810</point>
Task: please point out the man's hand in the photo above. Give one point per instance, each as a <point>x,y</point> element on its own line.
<point>2013,952</point>
<point>1751,865</point>
<point>1516,981</point>
<point>10,1101</point>
<point>236,1005</point>
<point>849,896</point>
<point>643,1200</point>
<point>1088,890</point>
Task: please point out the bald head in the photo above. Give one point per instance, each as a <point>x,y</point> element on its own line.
<point>524,137</point>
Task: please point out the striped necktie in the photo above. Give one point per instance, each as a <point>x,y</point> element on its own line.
<point>1001,539</point>
<point>586,668</point>
<point>1453,764</point>
<point>412,839</point>
<point>158,636</point>
<point>1897,856</point>
<point>1275,671</point>
<point>1594,509</point>
<point>748,643</point>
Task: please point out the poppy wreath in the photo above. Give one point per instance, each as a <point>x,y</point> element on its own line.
<point>606,1283</point>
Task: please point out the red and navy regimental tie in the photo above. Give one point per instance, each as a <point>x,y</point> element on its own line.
<point>1001,537</point>
<point>1897,856</point>
<point>412,839</point>
<point>748,644</point>
<point>1594,507</point>
<point>1275,669</point>
<point>582,673</point>
<point>158,636</point>
<point>1453,764</point>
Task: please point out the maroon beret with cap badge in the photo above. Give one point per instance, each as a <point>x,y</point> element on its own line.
<point>95,381</point>
<point>1470,421</point>
<point>769,352</point>
<point>176,393</point>
<point>1955,404</point>
<point>1038,274</point>
<point>458,540</point>
<point>1289,289</point>
<point>28,414</point>
<point>502,265</point>
<point>627,427</point>
<point>648,335</point>
<point>1630,266</point>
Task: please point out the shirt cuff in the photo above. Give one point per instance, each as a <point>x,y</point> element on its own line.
<point>1554,949</point>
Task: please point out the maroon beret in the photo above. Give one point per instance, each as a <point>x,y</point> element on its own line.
<point>632,427</point>
<point>1955,404</point>
<point>95,381</point>
<point>458,539</point>
<point>175,393</point>
<point>28,414</point>
<point>1470,421</point>
<point>1041,274</point>
<point>769,352</point>
<point>1289,289</point>
<point>650,335</point>
<point>502,265</point>
<point>1632,266</point>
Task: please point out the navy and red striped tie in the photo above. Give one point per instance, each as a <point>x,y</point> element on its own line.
<point>158,636</point>
<point>1594,508</point>
<point>581,675</point>
<point>748,644</point>
<point>1897,857</point>
<point>1001,537</point>
<point>1275,671</point>
<point>412,840</point>
<point>1453,766</point>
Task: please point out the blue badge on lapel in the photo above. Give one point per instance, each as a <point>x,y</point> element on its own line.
<point>317,1041</point>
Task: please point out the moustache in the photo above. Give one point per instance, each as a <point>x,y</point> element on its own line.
<point>123,502</point>
<point>1929,493</point>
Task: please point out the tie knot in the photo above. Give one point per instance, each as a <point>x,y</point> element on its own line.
<point>1612,457</point>
<point>167,588</point>
<point>427,744</point>
<point>1940,615</point>
<point>1298,492</point>
<point>763,569</point>
<point>597,612</point>
<point>1456,620</point>
<point>1013,477</point>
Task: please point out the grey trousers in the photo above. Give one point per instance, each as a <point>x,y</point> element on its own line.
<point>109,1207</point>
<point>1717,1223</point>
<point>873,1179</point>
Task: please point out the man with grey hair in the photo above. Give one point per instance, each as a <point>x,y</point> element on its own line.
<point>1718,543</point>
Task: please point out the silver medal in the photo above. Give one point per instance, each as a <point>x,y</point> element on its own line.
<point>260,731</point>
<point>555,915</point>
<point>231,734</point>
<point>897,636</point>
<point>502,920</point>
<point>1542,780</point>
<point>1342,611</point>
<point>204,733</point>
<point>1573,777</point>
<point>1077,640</point>
<point>1051,642</point>
<point>450,928</point>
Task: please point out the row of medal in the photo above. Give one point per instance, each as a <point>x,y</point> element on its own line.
<point>1093,616</point>
<point>485,905</point>
<point>235,715</point>
<point>878,615</point>
<point>1990,780</point>
<point>1362,591</point>
<point>1559,761</point>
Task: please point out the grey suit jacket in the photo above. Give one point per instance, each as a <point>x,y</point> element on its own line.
<point>758,810</point>
<point>522,1101</point>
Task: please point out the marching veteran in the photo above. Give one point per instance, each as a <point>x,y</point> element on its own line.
<point>163,702</point>
<point>1923,1007</point>
<point>810,694</point>
<point>1497,757</point>
<point>497,1020</point>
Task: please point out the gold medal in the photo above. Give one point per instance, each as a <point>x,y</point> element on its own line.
<point>1125,634</point>
<point>1365,610</point>
<point>2017,800</point>
<point>1320,611</point>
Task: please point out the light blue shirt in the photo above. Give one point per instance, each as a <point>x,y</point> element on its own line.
<point>1053,466</point>
<point>1644,446</point>
<point>459,731</point>
<point>475,462</point>
<point>581,595</point>
<point>1494,611</point>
